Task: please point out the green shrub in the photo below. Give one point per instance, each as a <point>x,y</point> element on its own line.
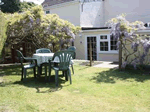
<point>2,32</point>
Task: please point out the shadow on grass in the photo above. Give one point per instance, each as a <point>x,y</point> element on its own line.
<point>11,70</point>
<point>31,82</point>
<point>38,84</point>
<point>112,75</point>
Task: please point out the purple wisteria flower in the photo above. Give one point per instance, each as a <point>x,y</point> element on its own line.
<point>134,46</point>
<point>31,19</point>
<point>38,21</point>
<point>124,64</point>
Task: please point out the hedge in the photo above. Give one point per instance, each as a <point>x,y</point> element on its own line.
<point>2,32</point>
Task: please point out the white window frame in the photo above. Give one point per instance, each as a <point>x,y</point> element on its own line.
<point>98,45</point>
<point>105,40</point>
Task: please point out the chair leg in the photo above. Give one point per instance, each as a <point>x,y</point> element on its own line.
<point>70,76</point>
<point>22,74</point>
<point>56,78</point>
<point>25,73</point>
<point>72,68</point>
<point>66,75</point>
<point>63,73</point>
<point>45,72</point>
<point>34,70</point>
<point>40,69</point>
<point>49,73</point>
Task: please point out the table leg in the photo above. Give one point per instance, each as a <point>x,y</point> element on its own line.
<point>45,72</point>
<point>39,71</point>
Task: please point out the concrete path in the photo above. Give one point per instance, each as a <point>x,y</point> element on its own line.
<point>107,65</point>
<point>103,64</point>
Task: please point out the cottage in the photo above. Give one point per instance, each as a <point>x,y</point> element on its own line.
<point>92,15</point>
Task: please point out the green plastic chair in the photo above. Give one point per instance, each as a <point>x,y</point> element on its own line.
<point>43,50</point>
<point>63,65</point>
<point>33,63</point>
<point>72,48</point>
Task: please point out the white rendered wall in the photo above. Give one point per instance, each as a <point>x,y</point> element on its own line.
<point>67,11</point>
<point>91,14</point>
<point>135,9</point>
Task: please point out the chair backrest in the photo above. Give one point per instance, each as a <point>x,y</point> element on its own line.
<point>72,48</point>
<point>20,56</point>
<point>64,58</point>
<point>43,50</point>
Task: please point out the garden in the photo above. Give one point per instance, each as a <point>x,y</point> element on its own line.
<point>93,89</point>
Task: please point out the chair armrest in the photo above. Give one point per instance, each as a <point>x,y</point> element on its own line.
<point>51,63</point>
<point>31,60</point>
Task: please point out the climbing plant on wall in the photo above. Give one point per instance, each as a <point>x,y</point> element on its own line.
<point>133,47</point>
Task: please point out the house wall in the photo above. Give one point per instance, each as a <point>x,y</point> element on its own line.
<point>140,49</point>
<point>81,46</point>
<point>108,57</point>
<point>87,14</point>
<point>91,14</point>
<point>135,9</point>
<point>69,11</point>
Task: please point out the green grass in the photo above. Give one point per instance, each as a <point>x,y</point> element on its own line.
<point>93,90</point>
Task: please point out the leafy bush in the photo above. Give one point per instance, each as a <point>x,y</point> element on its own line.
<point>42,29</point>
<point>2,32</point>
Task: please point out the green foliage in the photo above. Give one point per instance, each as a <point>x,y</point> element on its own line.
<point>10,6</point>
<point>2,31</point>
<point>40,28</point>
<point>26,6</point>
<point>126,34</point>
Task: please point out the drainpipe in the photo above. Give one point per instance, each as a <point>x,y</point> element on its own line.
<point>103,12</point>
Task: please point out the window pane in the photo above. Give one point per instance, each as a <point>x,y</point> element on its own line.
<point>103,46</point>
<point>113,43</point>
<point>106,48</point>
<point>94,39</point>
<point>103,37</point>
<point>88,40</point>
<point>47,12</point>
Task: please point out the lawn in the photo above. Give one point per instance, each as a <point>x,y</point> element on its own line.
<point>92,90</point>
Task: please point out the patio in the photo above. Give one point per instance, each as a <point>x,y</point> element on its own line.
<point>93,89</point>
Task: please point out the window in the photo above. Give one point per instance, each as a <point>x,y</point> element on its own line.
<point>103,46</point>
<point>103,36</point>
<point>45,5</point>
<point>103,43</point>
<point>107,43</point>
<point>113,43</point>
<point>47,12</point>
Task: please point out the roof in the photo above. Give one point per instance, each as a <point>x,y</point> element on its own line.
<point>94,28</point>
<point>54,2</point>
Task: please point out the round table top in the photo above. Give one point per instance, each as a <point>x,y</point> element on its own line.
<point>43,54</point>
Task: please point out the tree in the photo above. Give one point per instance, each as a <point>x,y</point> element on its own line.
<point>10,6</point>
<point>126,34</point>
<point>2,33</point>
<point>26,6</point>
<point>42,29</point>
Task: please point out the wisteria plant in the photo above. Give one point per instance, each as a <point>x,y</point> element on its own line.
<point>41,29</point>
<point>133,46</point>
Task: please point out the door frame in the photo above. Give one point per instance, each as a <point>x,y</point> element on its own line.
<point>85,46</point>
